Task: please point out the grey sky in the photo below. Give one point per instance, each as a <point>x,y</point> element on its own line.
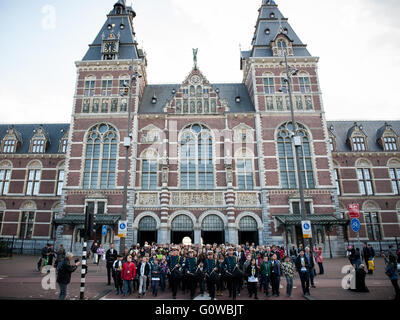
<point>357,42</point>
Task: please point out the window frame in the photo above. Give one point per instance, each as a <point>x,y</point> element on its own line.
<point>94,157</point>
<point>151,173</point>
<point>370,225</point>
<point>26,224</point>
<point>200,171</point>
<point>394,174</point>
<point>5,180</point>
<point>365,184</point>
<point>34,181</point>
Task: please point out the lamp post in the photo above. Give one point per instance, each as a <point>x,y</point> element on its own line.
<point>127,143</point>
<point>295,138</point>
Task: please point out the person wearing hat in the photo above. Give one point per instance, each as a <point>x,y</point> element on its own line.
<point>117,269</point>
<point>212,275</point>
<point>230,266</point>
<point>175,270</point>
<point>190,272</point>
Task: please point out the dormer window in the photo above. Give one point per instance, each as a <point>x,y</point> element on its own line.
<point>9,146</point>
<point>390,144</point>
<point>332,143</point>
<point>63,145</point>
<point>359,144</point>
<point>38,145</point>
<point>10,141</point>
<point>282,44</point>
<point>272,15</point>
<point>39,141</point>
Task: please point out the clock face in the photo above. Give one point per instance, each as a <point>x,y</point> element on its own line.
<point>109,47</point>
<point>195,80</point>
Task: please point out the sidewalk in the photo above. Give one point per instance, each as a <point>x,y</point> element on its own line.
<point>19,279</point>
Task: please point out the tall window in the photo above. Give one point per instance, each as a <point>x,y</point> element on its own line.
<point>359,144</point>
<point>106,87</point>
<point>365,181</point>
<point>390,143</point>
<point>9,146</point>
<point>5,175</point>
<point>305,86</point>
<point>60,181</point>
<point>245,174</point>
<point>373,225</point>
<point>269,86</point>
<point>336,173</point>
<point>100,158</point>
<point>26,224</point>
<point>38,145</point>
<point>282,44</point>
<point>287,157</point>
<point>149,174</point>
<point>196,158</point>
<point>97,207</point>
<point>395,177</point>
<point>89,87</point>
<point>296,207</point>
<point>33,184</point>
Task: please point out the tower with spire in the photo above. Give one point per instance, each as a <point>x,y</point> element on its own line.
<point>110,79</point>
<point>264,74</point>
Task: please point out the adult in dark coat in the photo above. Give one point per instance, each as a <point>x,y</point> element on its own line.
<point>302,267</point>
<point>360,280</point>
<point>111,256</point>
<point>64,271</point>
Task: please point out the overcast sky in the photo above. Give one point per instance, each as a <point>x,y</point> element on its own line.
<point>358,42</point>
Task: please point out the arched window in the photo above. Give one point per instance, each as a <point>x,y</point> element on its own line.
<point>196,158</point>
<point>212,223</point>
<point>287,157</point>
<point>100,157</point>
<point>247,223</point>
<point>282,44</point>
<point>147,224</point>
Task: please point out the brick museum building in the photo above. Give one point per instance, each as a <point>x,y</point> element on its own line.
<point>209,161</point>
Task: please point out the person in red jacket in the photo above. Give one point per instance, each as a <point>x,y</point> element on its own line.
<point>128,274</point>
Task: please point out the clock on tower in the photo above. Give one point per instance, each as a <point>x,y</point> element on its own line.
<point>110,49</point>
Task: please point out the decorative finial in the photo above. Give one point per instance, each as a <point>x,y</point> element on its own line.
<point>195,57</point>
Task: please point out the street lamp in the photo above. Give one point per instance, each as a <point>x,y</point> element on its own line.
<point>290,72</point>
<point>127,143</point>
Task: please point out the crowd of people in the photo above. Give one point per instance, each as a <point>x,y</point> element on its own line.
<point>216,269</point>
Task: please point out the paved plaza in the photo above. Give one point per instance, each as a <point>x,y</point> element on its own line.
<point>19,279</point>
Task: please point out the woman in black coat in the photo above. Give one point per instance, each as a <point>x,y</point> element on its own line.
<point>360,280</point>
<point>252,273</point>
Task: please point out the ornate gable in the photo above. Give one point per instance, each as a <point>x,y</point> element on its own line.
<point>196,96</point>
<point>11,141</point>
<point>39,141</point>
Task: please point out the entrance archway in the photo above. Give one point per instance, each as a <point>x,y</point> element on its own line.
<point>248,231</point>
<point>181,227</point>
<point>147,231</point>
<point>212,230</point>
